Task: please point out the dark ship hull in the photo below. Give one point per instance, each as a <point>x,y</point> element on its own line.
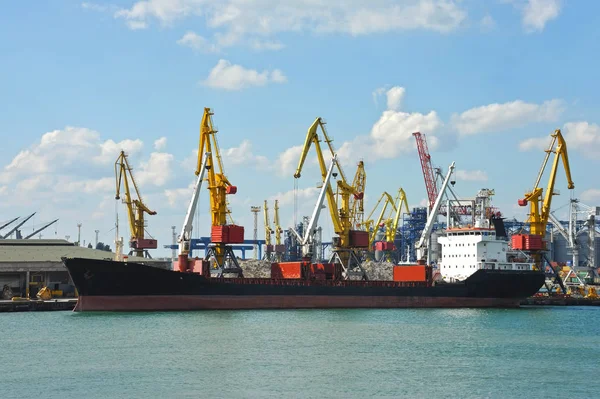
<point>117,286</point>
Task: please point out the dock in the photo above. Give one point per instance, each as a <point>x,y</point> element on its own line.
<point>26,305</point>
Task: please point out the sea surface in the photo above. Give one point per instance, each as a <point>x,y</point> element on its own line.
<point>539,352</point>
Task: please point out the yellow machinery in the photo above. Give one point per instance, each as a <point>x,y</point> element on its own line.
<point>275,252</point>
<point>268,231</point>
<point>391,226</point>
<point>278,229</point>
<point>348,240</point>
<point>357,209</point>
<point>222,233</point>
<point>540,208</point>
<point>135,208</point>
<point>592,293</point>
<point>373,226</point>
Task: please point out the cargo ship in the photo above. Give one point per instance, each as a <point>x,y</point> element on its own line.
<point>106,285</point>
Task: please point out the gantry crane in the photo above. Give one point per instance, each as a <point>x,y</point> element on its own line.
<point>279,247</point>
<point>357,209</point>
<point>222,234</point>
<point>540,208</point>
<point>391,226</point>
<point>372,226</point>
<point>135,208</point>
<point>274,253</point>
<point>308,242</point>
<point>269,255</point>
<point>348,240</point>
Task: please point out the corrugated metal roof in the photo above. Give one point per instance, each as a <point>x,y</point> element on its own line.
<point>49,251</point>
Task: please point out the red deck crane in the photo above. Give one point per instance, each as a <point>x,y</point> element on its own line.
<point>427,168</point>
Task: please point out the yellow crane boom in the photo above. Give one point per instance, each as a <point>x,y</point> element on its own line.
<point>339,208</point>
<point>268,230</point>
<point>372,226</point>
<point>219,187</point>
<point>540,209</point>
<point>392,227</point>
<point>357,210</point>
<point>135,207</point>
<point>278,229</point>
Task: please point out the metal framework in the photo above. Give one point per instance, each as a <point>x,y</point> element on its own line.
<point>427,168</point>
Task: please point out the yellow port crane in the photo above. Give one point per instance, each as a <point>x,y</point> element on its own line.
<point>373,226</point>
<point>540,208</point>
<point>135,208</point>
<point>391,226</point>
<point>357,210</point>
<point>222,233</point>
<point>268,231</point>
<point>275,252</point>
<point>348,240</point>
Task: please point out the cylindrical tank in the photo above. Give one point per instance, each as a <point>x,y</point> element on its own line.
<point>436,248</point>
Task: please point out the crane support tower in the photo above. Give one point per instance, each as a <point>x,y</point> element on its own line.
<point>357,206</point>
<point>427,168</point>
<point>136,208</point>
<point>219,252</point>
<point>348,241</point>
<point>540,207</point>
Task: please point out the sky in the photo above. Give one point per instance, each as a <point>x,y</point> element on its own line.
<point>487,82</point>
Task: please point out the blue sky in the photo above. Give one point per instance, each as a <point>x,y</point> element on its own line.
<point>486,81</point>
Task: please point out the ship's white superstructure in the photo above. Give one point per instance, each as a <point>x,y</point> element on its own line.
<point>470,248</point>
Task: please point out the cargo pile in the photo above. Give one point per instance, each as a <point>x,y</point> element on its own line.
<point>256,268</point>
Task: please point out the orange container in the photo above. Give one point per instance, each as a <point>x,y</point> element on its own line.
<point>410,273</point>
<point>287,269</point>
<point>518,241</point>
<point>219,234</point>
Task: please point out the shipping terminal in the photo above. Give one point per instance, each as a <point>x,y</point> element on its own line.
<point>474,269</point>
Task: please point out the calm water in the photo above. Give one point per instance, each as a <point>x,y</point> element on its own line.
<point>457,353</point>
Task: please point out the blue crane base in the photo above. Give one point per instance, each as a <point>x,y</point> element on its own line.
<point>203,242</point>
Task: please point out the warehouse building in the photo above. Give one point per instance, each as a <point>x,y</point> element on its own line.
<point>28,265</point>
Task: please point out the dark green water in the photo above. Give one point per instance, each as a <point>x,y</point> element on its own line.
<point>456,353</point>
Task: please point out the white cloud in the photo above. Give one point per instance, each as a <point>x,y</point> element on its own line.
<point>179,197</point>
<point>471,175</point>
<point>395,95</point>
<point>228,76</point>
<point>392,135</point>
<point>584,137</point>
<point>592,196</point>
<point>109,150</point>
<point>302,194</point>
<point>496,117</point>
<point>243,155</point>
<point>487,23</point>
<point>156,171</point>
<point>253,22</point>
<point>160,144</point>
<point>198,43</point>
<point>268,45</point>
<point>534,143</point>
<point>287,161</point>
<point>579,136</point>
<point>3,190</point>
<point>104,184</point>
<point>536,13</point>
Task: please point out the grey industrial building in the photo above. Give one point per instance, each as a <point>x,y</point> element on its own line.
<point>29,264</point>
